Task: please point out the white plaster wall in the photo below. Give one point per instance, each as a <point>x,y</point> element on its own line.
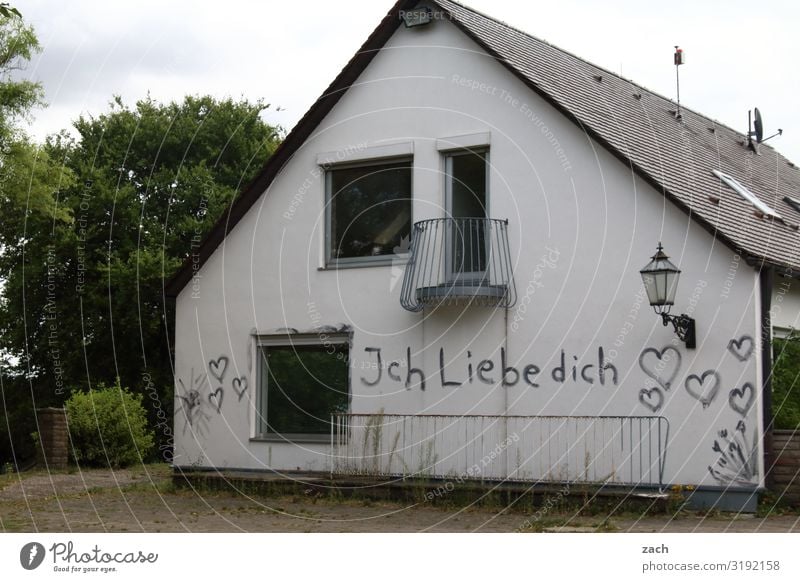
<point>581,225</point>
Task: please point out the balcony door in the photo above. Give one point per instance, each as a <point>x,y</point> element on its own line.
<point>466,205</point>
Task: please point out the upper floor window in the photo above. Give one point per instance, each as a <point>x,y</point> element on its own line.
<point>466,197</point>
<point>368,211</point>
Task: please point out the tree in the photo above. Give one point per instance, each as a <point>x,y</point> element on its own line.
<point>30,180</point>
<point>18,44</point>
<point>8,11</point>
<point>148,180</point>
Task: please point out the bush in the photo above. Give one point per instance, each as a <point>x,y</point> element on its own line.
<point>786,383</point>
<point>108,427</point>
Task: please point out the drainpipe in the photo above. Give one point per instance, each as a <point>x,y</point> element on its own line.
<point>766,278</point>
<point>505,398</point>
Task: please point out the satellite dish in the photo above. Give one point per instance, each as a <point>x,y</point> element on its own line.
<point>758,125</point>
<point>755,129</point>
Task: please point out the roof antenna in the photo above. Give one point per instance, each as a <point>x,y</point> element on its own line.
<point>680,59</point>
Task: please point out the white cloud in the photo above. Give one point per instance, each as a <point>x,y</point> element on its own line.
<point>288,52</point>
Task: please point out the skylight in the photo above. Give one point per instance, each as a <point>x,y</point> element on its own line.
<point>793,202</point>
<point>745,193</point>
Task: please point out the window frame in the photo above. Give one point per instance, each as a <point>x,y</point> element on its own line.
<point>321,340</point>
<point>447,159</point>
<point>332,262</point>
<point>447,156</point>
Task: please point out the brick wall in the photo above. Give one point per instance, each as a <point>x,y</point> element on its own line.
<point>53,452</point>
<point>786,472</point>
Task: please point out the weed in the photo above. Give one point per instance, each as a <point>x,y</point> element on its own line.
<point>373,432</point>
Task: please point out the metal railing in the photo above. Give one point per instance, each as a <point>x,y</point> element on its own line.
<point>456,260</point>
<point>620,450</point>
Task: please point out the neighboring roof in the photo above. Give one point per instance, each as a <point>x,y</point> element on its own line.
<point>676,156</point>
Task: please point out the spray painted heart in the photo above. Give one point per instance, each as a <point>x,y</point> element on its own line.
<point>742,348</point>
<point>652,398</point>
<point>704,387</point>
<point>742,399</point>
<point>218,367</point>
<point>662,366</point>
<point>240,387</point>
<point>216,397</point>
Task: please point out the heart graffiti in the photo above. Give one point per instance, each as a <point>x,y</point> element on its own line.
<point>216,397</point>
<point>240,387</point>
<point>742,399</point>
<point>707,386</point>
<point>742,348</point>
<point>652,398</point>
<point>662,366</point>
<point>218,367</point>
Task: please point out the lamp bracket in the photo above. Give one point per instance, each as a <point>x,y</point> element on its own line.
<point>684,328</point>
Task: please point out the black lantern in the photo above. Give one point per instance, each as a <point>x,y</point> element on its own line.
<point>660,279</point>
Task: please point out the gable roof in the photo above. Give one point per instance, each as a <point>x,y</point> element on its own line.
<point>676,155</point>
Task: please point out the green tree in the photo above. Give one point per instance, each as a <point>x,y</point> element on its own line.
<point>8,11</point>
<point>30,182</point>
<point>150,179</point>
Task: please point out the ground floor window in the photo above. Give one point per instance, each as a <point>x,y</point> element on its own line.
<point>301,383</point>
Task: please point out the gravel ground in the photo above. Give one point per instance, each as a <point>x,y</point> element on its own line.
<point>143,500</point>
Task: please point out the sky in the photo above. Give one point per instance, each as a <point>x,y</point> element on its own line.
<point>739,54</point>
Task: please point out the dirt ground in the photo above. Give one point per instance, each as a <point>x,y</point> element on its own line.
<point>144,500</point>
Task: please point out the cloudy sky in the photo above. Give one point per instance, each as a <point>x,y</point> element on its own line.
<point>740,54</point>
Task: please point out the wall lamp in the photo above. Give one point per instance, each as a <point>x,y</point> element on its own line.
<point>660,278</point>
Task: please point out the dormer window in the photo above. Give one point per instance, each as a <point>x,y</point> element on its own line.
<point>742,190</point>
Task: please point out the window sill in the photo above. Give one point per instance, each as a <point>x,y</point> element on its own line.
<point>395,261</point>
<point>292,438</point>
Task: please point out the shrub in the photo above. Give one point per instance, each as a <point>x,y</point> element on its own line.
<point>108,427</point>
<point>786,383</point>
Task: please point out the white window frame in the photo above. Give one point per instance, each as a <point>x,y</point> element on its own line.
<point>448,155</point>
<point>322,340</point>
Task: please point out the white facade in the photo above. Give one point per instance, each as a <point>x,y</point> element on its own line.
<point>581,225</point>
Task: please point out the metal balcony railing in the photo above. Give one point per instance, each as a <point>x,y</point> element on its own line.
<point>458,260</point>
<point>600,450</point>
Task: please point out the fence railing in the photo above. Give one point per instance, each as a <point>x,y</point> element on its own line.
<point>623,450</point>
<point>455,260</point>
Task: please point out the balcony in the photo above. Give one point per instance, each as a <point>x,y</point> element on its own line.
<point>457,261</point>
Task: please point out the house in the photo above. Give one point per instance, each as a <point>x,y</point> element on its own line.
<point>438,273</point>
